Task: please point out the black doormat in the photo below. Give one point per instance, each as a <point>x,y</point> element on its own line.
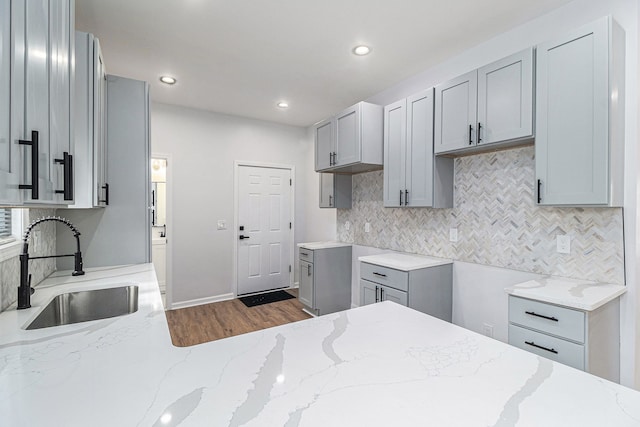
<point>253,300</point>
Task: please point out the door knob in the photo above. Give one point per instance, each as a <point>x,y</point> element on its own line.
<point>244,237</point>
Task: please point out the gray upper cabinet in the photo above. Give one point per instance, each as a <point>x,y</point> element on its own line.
<point>9,153</point>
<point>90,141</point>
<point>350,142</point>
<point>455,120</point>
<point>335,191</point>
<point>579,117</point>
<point>490,105</point>
<point>42,72</point>
<point>505,99</point>
<point>413,177</point>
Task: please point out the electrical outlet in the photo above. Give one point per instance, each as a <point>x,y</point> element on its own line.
<point>563,244</point>
<point>487,329</point>
<point>347,225</point>
<point>453,234</point>
<point>222,224</point>
<point>367,227</point>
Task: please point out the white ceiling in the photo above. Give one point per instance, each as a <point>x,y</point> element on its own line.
<point>241,57</point>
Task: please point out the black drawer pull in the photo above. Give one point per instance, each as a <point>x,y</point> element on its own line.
<point>532,344</point>
<point>105,187</point>
<point>532,313</point>
<point>380,274</point>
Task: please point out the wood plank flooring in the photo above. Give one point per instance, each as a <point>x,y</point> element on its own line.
<point>209,322</point>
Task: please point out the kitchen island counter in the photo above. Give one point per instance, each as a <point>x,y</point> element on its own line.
<point>381,364</point>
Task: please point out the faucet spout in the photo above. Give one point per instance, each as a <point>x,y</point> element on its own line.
<point>25,290</point>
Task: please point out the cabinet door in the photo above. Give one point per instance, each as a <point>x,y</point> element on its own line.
<point>505,99</point>
<point>368,292</point>
<point>572,92</point>
<point>9,153</point>
<point>324,145</point>
<point>390,294</point>
<point>326,190</point>
<point>100,178</point>
<point>395,130</point>
<point>456,106</point>
<point>305,293</point>
<point>348,134</point>
<point>419,151</point>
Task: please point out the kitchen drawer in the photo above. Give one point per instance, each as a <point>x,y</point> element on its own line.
<point>306,255</point>
<point>385,276</point>
<point>559,350</point>
<point>551,319</point>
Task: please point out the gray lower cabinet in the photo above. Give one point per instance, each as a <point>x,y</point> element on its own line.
<point>413,177</point>
<point>580,117</point>
<point>586,340</point>
<point>335,191</point>
<point>488,106</point>
<point>428,290</point>
<point>325,279</point>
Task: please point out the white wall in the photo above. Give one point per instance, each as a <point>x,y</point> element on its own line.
<point>556,23</point>
<point>204,147</point>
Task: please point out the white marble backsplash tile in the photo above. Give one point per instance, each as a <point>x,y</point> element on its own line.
<point>44,244</point>
<point>497,220</point>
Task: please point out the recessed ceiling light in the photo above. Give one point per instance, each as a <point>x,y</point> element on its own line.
<point>361,50</point>
<point>283,104</point>
<point>168,80</point>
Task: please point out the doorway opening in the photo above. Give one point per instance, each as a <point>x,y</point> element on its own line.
<point>160,225</point>
<point>264,227</point>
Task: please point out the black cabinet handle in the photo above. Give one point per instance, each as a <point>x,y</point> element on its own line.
<point>479,129</point>
<point>304,253</point>
<point>377,294</point>
<point>400,197</point>
<point>470,130</point>
<point>244,237</point>
<point>105,187</point>
<point>335,158</point>
<point>533,313</point>
<point>532,344</point>
<point>380,274</point>
<point>406,197</point>
<point>67,163</point>
<point>330,159</point>
<point>34,165</point>
<point>539,193</point>
<point>308,269</point>
<point>330,197</point>
<point>381,294</point>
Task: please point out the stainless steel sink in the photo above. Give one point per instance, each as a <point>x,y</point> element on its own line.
<point>82,306</point>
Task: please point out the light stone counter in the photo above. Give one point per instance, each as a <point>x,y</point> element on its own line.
<point>573,293</point>
<point>404,262</point>
<point>378,365</point>
<point>313,246</point>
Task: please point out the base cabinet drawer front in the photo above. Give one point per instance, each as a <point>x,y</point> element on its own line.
<point>373,292</point>
<point>553,348</point>
<point>551,319</point>
<point>385,276</point>
<point>305,255</point>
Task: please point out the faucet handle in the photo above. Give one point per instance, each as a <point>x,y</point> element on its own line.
<point>29,283</point>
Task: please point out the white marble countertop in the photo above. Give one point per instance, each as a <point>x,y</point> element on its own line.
<point>312,246</point>
<point>404,262</point>
<point>378,365</point>
<point>573,293</point>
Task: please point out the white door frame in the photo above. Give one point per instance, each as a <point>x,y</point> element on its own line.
<point>236,203</point>
<point>169,224</point>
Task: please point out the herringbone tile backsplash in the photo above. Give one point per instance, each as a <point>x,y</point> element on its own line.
<point>498,223</point>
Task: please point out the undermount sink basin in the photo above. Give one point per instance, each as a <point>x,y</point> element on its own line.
<point>82,306</point>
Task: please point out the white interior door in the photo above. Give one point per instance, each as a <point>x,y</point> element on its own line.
<point>264,234</point>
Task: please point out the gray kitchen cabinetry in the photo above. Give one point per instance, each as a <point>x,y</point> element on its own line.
<point>325,278</point>
<point>90,124</point>
<point>42,54</point>
<point>580,117</point>
<point>335,191</point>
<point>351,141</point>
<point>485,107</point>
<point>428,290</point>
<point>586,340</point>
<point>413,176</point>
<point>36,138</point>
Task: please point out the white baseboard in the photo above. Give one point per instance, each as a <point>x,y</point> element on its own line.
<point>201,301</point>
<point>354,305</point>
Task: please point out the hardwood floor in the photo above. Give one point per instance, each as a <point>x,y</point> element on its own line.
<point>209,322</point>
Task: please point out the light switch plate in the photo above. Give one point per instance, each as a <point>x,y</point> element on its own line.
<point>563,244</point>
<point>453,234</point>
<point>347,225</point>
<point>367,227</point>
<point>222,224</point>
